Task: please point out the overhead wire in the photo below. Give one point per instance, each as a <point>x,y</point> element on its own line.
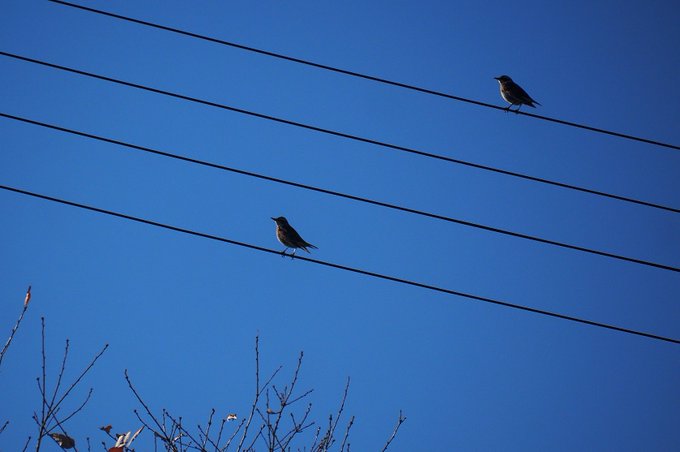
<point>338,266</point>
<point>337,133</point>
<point>360,75</point>
<point>343,195</point>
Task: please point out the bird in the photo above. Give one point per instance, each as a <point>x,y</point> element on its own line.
<point>289,236</point>
<point>514,93</point>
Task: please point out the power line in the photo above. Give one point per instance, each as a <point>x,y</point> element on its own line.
<point>343,195</point>
<point>340,134</point>
<point>338,266</point>
<point>360,75</point>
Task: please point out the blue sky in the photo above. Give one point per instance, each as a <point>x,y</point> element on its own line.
<point>181,312</point>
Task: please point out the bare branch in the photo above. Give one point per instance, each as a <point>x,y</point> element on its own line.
<point>258,393</point>
<point>400,421</point>
<point>207,430</point>
<point>146,407</point>
<point>156,433</point>
<point>2,429</point>
<point>16,325</point>
<point>28,440</point>
<point>340,410</point>
<point>89,394</point>
<point>61,374</point>
<point>182,430</point>
<point>43,417</point>
<point>231,438</point>
<point>80,377</point>
<point>344,438</point>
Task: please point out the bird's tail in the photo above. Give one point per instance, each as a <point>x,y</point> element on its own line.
<point>309,245</point>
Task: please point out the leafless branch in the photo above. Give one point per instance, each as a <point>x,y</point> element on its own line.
<point>28,440</point>
<point>16,325</point>
<point>162,435</point>
<point>400,421</point>
<point>206,435</point>
<point>43,418</point>
<point>80,377</point>
<point>87,399</point>
<point>61,374</point>
<point>156,434</point>
<point>344,438</point>
<point>258,393</point>
<point>231,438</point>
<point>182,430</point>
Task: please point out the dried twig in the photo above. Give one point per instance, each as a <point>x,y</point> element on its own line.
<point>400,421</point>
<point>51,408</point>
<point>28,440</point>
<point>344,438</point>
<point>2,429</point>
<point>258,392</point>
<point>16,325</point>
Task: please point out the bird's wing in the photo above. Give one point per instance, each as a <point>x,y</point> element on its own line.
<point>522,95</point>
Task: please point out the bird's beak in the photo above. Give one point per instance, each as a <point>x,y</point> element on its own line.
<point>273,218</point>
<point>496,78</point>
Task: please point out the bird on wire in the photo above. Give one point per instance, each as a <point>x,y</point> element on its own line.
<point>514,93</point>
<point>289,237</point>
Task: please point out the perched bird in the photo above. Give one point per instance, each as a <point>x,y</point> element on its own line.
<point>289,236</point>
<point>514,93</point>
<point>65,442</point>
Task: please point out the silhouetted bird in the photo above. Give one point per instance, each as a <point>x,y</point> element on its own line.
<point>289,236</point>
<point>514,93</point>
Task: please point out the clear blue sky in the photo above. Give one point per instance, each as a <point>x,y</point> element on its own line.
<point>181,312</point>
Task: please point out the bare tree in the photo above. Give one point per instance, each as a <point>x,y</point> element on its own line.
<point>276,421</point>
<point>279,417</point>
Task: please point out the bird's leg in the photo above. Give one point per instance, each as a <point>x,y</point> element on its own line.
<point>293,253</point>
<point>283,253</point>
<point>520,106</point>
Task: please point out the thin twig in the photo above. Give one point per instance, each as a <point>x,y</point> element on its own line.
<point>396,429</point>
<point>207,430</point>
<point>148,411</point>
<point>340,410</point>
<point>344,438</point>
<point>2,429</point>
<point>259,434</point>
<point>182,430</point>
<point>80,377</point>
<point>231,438</point>
<point>16,325</point>
<point>283,398</point>
<point>298,427</point>
<point>156,433</point>
<point>43,418</point>
<point>219,433</point>
<point>61,373</point>
<point>28,440</point>
<point>89,394</point>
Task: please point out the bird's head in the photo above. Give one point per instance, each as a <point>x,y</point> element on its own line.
<point>503,78</point>
<point>280,220</point>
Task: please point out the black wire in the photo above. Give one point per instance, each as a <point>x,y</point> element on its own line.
<point>338,266</point>
<point>341,134</point>
<point>343,195</point>
<point>360,75</point>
